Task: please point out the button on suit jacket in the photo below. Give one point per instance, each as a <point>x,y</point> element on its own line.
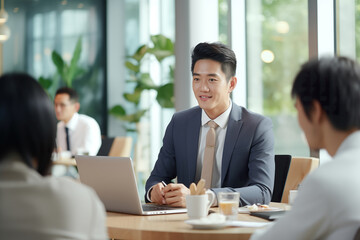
<point>248,159</point>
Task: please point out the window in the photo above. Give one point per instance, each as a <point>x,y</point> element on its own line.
<point>277,44</point>
<point>43,26</point>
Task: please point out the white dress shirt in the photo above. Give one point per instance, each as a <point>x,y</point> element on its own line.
<point>326,206</point>
<point>47,208</point>
<point>84,135</point>
<point>221,121</point>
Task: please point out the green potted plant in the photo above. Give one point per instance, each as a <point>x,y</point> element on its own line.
<point>65,72</point>
<point>162,47</point>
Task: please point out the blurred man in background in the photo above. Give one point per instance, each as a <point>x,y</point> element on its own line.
<point>76,133</point>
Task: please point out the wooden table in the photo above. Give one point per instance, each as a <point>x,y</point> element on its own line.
<point>65,162</point>
<point>172,226</point>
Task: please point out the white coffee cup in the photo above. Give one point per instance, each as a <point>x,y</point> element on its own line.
<point>292,196</point>
<point>198,205</point>
<point>64,155</point>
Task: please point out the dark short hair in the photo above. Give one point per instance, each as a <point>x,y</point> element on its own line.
<point>73,95</point>
<point>335,83</point>
<point>217,52</point>
<point>27,121</point>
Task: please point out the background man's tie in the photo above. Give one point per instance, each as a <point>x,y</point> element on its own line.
<point>209,155</point>
<point>67,139</point>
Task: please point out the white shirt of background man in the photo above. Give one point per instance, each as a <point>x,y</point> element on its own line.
<point>84,134</point>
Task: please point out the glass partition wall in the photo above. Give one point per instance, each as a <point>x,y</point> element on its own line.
<point>348,28</point>
<point>40,26</point>
<point>276,44</point>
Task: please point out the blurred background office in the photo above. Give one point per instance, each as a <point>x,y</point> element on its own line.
<point>271,39</point>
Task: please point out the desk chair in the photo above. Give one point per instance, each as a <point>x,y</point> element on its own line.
<point>299,168</point>
<point>115,147</point>
<point>282,164</point>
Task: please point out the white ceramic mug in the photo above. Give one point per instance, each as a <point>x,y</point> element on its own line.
<point>198,205</point>
<point>292,196</point>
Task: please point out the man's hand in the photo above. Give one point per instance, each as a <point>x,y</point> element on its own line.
<point>157,194</point>
<point>175,194</point>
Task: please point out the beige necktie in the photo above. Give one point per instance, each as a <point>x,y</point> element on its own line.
<point>209,155</point>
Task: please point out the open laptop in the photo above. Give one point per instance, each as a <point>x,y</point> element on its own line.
<point>114,181</point>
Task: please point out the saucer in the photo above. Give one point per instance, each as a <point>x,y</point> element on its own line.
<point>200,224</point>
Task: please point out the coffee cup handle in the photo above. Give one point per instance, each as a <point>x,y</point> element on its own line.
<point>211,197</point>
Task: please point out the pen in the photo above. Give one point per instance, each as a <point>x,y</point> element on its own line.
<point>163,183</point>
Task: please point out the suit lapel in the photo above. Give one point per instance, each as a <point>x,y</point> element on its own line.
<point>192,142</point>
<point>232,134</point>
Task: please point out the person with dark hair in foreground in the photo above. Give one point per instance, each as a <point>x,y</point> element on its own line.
<point>34,205</point>
<point>240,159</point>
<point>327,94</point>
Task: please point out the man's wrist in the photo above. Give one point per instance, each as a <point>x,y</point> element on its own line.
<point>148,194</point>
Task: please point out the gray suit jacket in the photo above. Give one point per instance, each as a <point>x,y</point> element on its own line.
<point>248,159</point>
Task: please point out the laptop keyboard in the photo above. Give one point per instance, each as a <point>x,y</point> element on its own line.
<point>154,207</point>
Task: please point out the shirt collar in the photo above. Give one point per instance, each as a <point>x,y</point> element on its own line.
<point>73,121</point>
<point>221,120</point>
<point>352,141</point>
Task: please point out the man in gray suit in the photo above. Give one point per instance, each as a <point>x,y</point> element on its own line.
<point>244,158</point>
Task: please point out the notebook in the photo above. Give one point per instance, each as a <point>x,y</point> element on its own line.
<point>114,181</point>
